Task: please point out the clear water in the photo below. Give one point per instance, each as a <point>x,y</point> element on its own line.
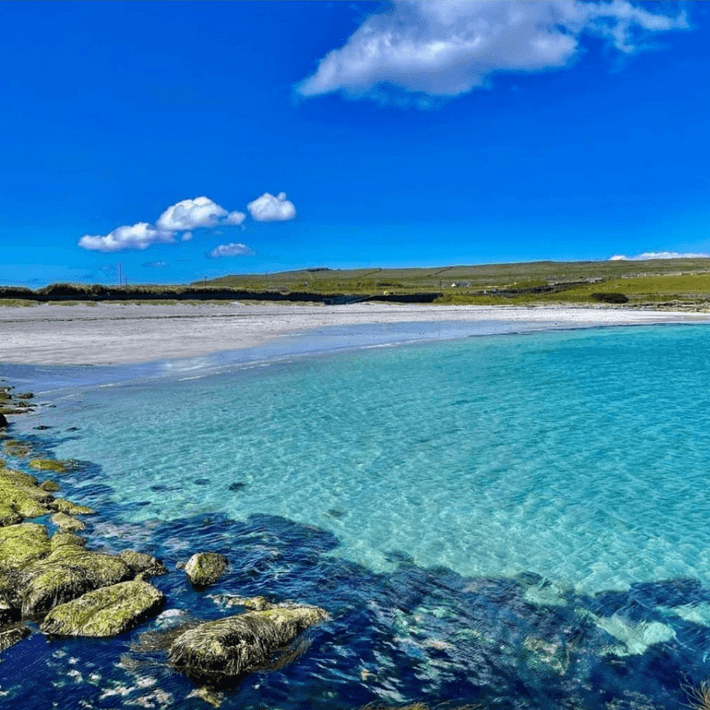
<point>554,484</point>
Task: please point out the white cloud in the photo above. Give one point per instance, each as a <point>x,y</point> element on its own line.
<point>193,214</point>
<point>445,48</point>
<point>660,255</point>
<point>230,250</point>
<point>270,208</point>
<point>138,236</point>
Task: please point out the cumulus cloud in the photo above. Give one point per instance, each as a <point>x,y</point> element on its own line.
<point>660,255</point>
<point>270,208</point>
<point>222,250</point>
<point>138,236</point>
<point>445,48</point>
<point>193,214</point>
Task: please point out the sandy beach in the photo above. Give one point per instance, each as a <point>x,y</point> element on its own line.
<point>108,333</point>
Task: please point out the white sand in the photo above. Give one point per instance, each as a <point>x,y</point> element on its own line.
<point>105,333</point>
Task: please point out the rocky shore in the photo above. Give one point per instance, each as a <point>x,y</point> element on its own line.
<point>50,582</point>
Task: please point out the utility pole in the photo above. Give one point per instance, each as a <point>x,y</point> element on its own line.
<point>120,277</point>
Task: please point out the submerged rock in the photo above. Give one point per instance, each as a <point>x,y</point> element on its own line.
<point>142,564</point>
<point>219,652</point>
<point>19,449</point>
<point>67,573</point>
<point>105,612</point>
<point>49,485</point>
<point>205,568</point>
<point>66,523</point>
<point>9,637</point>
<point>49,465</point>
<point>251,603</point>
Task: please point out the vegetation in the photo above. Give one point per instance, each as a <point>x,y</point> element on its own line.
<point>657,283</point>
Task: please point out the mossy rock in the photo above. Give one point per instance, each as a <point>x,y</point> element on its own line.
<point>22,544</point>
<point>8,613</point>
<point>19,449</point>
<point>50,486</point>
<point>205,568</point>
<point>143,565</point>
<point>105,612</point>
<point>15,634</point>
<point>20,493</point>
<point>66,506</point>
<point>9,516</point>
<point>49,465</point>
<point>251,603</point>
<point>66,523</point>
<point>67,573</point>
<point>65,538</point>
<point>219,652</point>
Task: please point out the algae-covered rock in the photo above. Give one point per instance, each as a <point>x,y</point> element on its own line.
<point>205,568</point>
<point>9,516</point>
<point>9,637</point>
<point>251,603</point>
<point>16,448</point>
<point>49,465</point>
<point>8,613</point>
<point>65,538</point>
<point>221,651</point>
<point>50,486</point>
<point>22,544</point>
<point>105,612</point>
<point>20,493</point>
<point>66,506</point>
<point>66,523</point>
<point>142,564</point>
<point>67,573</point>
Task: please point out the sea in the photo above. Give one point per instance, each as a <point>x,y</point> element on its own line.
<point>493,515</point>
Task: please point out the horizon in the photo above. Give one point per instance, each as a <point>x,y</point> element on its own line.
<point>178,142</point>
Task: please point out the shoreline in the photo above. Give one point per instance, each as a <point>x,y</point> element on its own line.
<point>114,334</point>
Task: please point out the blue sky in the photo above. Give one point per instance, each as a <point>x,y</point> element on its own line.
<point>191,140</point>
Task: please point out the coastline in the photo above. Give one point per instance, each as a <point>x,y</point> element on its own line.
<point>113,333</point>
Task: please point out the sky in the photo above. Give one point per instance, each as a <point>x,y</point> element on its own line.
<point>185,141</point>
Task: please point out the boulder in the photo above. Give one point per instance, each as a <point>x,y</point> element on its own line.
<point>67,573</point>
<point>49,485</point>
<point>143,565</point>
<point>49,465</point>
<point>220,652</point>
<point>65,538</point>
<point>21,545</point>
<point>9,516</point>
<point>205,568</point>
<point>66,523</point>
<point>105,612</point>
<point>8,613</point>
<point>3,421</point>
<point>66,506</point>
<point>20,493</point>
<point>9,637</point>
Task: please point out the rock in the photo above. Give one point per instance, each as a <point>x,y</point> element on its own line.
<point>142,564</point>
<point>8,516</point>
<point>205,568</point>
<point>251,603</point>
<point>50,486</point>
<point>66,523</point>
<point>8,613</point>
<point>219,652</point>
<point>214,697</point>
<point>64,538</point>
<point>25,395</point>
<point>66,506</point>
<point>19,449</point>
<point>105,612</point>
<point>20,493</point>
<point>49,465</point>
<point>3,421</point>
<point>22,544</point>
<point>9,637</point>
<point>67,573</point>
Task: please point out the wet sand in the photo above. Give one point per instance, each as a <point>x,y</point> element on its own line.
<point>106,333</point>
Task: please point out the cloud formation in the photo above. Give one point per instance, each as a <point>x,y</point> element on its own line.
<point>270,208</point>
<point>139,236</point>
<point>445,48</point>
<point>193,214</point>
<point>222,250</point>
<point>660,255</point>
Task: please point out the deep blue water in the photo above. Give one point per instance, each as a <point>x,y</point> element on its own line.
<point>518,521</point>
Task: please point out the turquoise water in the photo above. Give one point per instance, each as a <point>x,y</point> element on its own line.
<point>575,463</point>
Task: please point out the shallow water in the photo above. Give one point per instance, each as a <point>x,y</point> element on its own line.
<point>517,520</point>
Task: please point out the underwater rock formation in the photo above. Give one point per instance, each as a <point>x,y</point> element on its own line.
<point>205,568</point>
<point>49,465</point>
<point>105,612</point>
<point>219,652</point>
